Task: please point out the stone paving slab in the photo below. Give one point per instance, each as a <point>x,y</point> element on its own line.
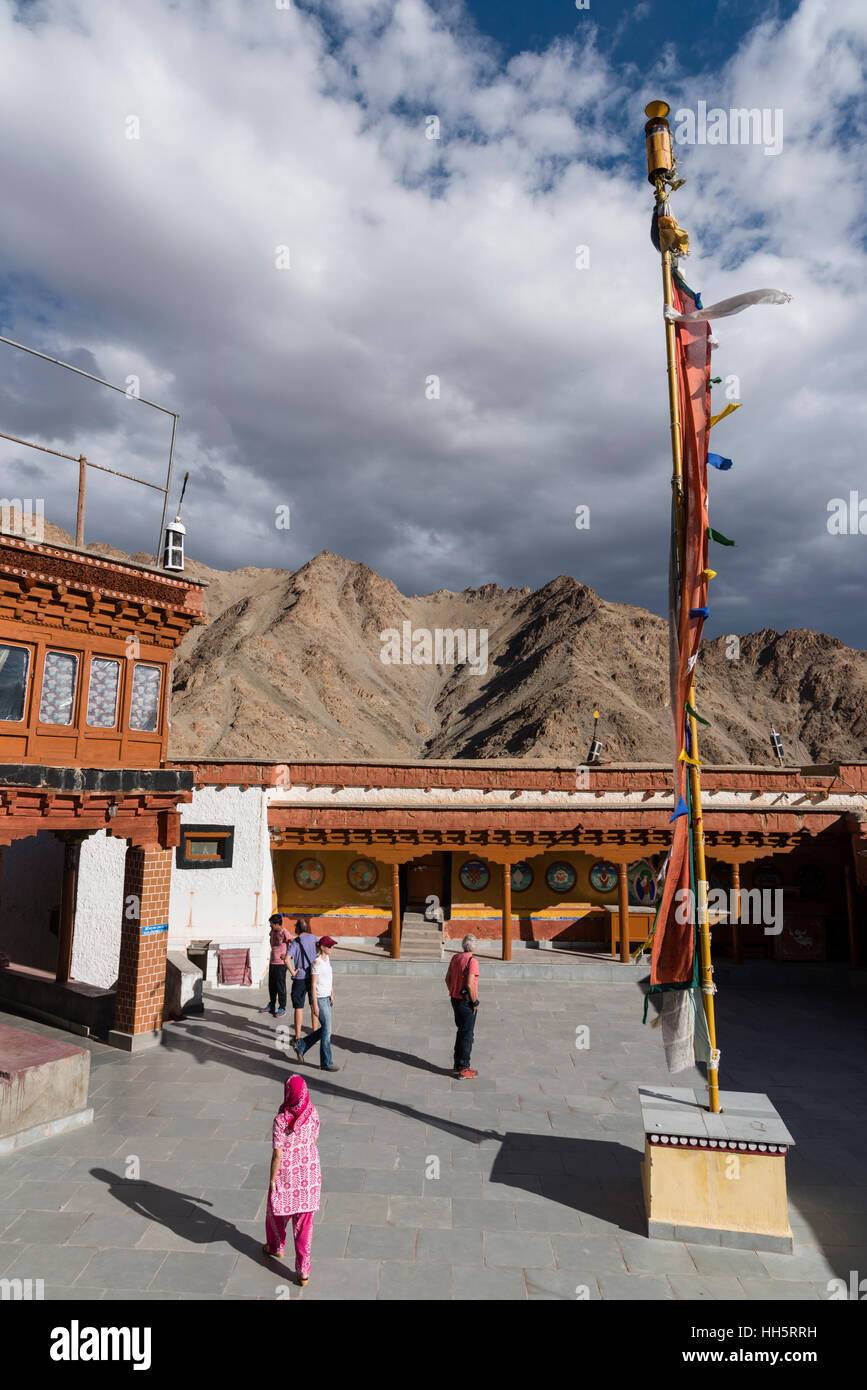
<point>523,1185</point>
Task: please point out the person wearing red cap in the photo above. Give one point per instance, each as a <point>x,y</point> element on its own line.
<point>321,1003</point>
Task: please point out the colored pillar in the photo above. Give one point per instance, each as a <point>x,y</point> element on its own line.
<point>507,912</point>
<point>141,984</point>
<point>395,912</point>
<point>623,910</point>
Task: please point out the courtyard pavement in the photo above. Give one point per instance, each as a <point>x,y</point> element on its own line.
<point>523,1184</point>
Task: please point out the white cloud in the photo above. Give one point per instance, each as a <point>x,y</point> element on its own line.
<point>456,257</point>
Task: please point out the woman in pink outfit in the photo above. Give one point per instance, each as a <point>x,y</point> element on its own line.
<point>296,1176</point>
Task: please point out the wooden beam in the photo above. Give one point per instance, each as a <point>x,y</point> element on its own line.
<point>507,912</point>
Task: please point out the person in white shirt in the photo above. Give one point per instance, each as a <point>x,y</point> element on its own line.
<point>322,1003</point>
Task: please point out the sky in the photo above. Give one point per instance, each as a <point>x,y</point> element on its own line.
<point>390,263</point>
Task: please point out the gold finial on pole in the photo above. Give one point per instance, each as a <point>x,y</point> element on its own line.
<point>661,172</point>
<point>661,163</point>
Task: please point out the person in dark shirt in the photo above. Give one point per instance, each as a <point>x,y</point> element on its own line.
<point>302,953</point>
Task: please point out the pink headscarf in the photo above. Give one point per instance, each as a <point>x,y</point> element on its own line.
<point>297,1105</point>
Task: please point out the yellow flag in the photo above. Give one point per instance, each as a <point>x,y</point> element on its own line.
<point>708,574</point>
<point>683,757</point>
<point>714,419</point>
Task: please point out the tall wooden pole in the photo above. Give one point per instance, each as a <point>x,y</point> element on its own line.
<point>82,488</point>
<point>395,912</point>
<point>658,138</point>
<point>507,912</point>
<point>623,908</point>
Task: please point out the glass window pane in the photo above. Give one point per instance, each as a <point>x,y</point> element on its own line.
<point>14,664</point>
<point>204,849</point>
<point>58,688</point>
<point>102,693</point>
<point>144,710</point>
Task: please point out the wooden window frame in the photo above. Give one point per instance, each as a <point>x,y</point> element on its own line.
<point>95,729</point>
<point>160,669</point>
<point>28,680</point>
<point>73,723</point>
<point>183,860</point>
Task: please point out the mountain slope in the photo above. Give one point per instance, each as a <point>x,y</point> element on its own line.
<point>289,666</point>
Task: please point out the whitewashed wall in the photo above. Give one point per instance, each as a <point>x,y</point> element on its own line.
<point>31,887</point>
<point>99,910</point>
<point>227,906</point>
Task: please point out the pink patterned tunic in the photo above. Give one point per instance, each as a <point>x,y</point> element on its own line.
<point>299,1177</point>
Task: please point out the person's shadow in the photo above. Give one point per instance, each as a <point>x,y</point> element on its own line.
<point>374,1050</point>
<point>185,1216</point>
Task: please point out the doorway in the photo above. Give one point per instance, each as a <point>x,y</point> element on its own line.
<point>429,875</point>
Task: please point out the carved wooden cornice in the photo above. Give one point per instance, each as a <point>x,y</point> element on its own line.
<point>49,586</point>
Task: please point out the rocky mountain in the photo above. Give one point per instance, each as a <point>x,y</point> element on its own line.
<point>290,666</point>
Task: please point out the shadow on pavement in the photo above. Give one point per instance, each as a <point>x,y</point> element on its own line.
<point>573,1172</point>
<point>182,1214</point>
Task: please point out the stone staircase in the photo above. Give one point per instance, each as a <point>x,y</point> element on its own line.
<point>420,939</point>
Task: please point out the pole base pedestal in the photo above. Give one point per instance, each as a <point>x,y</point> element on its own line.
<point>715,1179</point>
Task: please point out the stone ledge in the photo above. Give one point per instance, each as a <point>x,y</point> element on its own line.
<point>733,1240</point>
<point>11,1143</point>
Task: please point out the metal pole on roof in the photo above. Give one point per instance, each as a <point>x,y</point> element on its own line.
<point>79,371</point>
<point>168,485</point>
<point>79,516</point>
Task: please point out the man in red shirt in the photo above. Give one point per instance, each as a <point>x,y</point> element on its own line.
<point>462,980</point>
<point>279,941</point>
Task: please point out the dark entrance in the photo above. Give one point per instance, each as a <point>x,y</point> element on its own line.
<point>429,875</point>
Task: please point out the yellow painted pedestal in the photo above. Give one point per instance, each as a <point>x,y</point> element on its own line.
<point>715,1179</point>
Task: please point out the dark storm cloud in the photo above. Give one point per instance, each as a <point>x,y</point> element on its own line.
<point>311,386</point>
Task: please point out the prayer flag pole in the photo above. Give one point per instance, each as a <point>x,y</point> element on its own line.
<point>662,168</point>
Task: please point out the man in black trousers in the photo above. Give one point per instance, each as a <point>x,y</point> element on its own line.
<point>462,979</point>
<point>279,942</point>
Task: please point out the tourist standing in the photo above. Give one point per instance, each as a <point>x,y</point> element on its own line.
<point>321,1004</point>
<point>279,941</point>
<point>462,979</point>
<point>302,953</point>
<point>296,1176</point>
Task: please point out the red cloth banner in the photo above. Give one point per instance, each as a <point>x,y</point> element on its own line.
<point>673,942</point>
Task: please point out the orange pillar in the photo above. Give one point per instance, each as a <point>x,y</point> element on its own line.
<point>395,912</point>
<point>507,912</point>
<point>141,983</point>
<point>623,910</point>
<point>736,912</point>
